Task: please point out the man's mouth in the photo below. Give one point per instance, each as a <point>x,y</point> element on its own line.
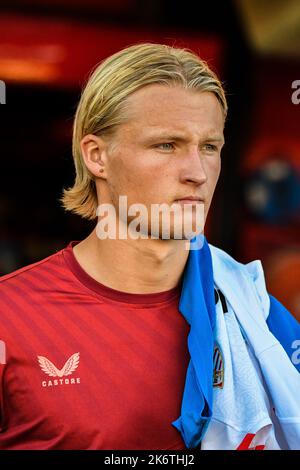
<point>190,200</point>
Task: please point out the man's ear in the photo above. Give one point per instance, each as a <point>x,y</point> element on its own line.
<point>93,150</point>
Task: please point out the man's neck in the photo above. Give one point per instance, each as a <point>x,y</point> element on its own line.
<point>133,266</point>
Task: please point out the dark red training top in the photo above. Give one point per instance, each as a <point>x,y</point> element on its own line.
<point>84,366</point>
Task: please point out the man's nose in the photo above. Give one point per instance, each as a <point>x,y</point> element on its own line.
<point>193,169</point>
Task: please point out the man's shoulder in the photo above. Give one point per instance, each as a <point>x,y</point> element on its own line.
<point>29,270</point>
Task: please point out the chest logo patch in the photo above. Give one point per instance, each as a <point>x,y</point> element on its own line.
<point>218,368</point>
<point>50,369</point>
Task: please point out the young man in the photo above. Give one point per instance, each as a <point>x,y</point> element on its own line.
<point>137,338</point>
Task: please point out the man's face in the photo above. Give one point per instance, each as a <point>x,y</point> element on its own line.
<point>168,149</point>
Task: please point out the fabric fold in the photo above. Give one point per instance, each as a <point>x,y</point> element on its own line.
<point>197,305</point>
<point>244,288</point>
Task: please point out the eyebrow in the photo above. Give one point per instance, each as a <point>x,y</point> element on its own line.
<point>181,138</point>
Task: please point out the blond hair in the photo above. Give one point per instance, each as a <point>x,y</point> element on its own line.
<point>100,107</point>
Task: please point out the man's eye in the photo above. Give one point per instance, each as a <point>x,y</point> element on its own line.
<point>166,146</point>
<point>210,148</point>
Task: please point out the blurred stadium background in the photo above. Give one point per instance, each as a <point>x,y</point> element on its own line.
<point>47,49</point>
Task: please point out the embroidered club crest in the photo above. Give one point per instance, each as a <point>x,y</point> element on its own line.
<point>218,368</point>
